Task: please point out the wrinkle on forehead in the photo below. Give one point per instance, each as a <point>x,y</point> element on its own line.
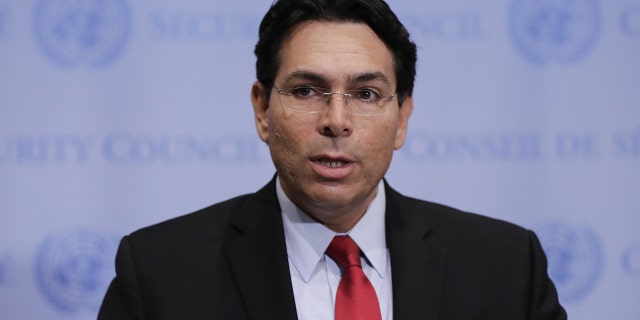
<point>335,52</point>
<point>373,76</point>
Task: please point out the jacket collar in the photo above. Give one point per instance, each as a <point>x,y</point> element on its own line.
<point>417,265</point>
<point>257,257</point>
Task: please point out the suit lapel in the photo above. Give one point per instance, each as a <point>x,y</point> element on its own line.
<point>417,266</point>
<point>257,258</point>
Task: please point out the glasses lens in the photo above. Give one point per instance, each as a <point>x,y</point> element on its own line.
<point>315,100</point>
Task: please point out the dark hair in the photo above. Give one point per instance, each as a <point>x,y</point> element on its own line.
<point>284,15</point>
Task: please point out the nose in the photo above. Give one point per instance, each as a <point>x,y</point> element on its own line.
<point>346,96</point>
<point>336,120</point>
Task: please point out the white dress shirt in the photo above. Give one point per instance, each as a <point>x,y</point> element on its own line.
<point>315,276</point>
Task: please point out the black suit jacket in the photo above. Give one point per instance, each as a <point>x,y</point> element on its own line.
<point>229,261</point>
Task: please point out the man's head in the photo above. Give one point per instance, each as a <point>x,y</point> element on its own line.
<point>327,102</point>
<point>284,15</point>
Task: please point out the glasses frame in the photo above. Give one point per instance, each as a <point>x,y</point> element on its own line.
<point>347,95</point>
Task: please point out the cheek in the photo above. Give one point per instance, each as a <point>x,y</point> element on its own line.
<point>285,143</point>
<point>290,129</point>
<point>382,138</point>
<point>377,147</point>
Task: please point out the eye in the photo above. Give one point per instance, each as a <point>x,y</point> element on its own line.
<point>304,91</point>
<point>367,95</point>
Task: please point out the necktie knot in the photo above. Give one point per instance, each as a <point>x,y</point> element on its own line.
<point>344,251</point>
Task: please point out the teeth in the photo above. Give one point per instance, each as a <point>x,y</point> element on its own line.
<point>333,164</point>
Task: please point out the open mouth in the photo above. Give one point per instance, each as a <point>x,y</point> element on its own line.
<point>332,163</point>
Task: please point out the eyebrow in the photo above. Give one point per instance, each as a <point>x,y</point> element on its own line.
<point>305,75</point>
<point>370,76</point>
<point>358,78</point>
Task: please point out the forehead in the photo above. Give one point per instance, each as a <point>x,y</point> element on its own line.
<point>335,51</point>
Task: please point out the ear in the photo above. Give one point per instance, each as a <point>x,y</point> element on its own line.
<point>260,106</point>
<point>403,121</point>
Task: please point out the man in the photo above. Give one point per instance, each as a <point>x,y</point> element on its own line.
<point>332,101</point>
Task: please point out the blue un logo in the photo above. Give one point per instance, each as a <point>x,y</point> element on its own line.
<point>73,270</point>
<point>561,31</point>
<point>85,32</point>
<point>575,259</point>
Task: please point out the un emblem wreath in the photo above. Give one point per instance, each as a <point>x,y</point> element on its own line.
<point>73,270</point>
<point>560,31</point>
<point>575,258</point>
<point>92,32</point>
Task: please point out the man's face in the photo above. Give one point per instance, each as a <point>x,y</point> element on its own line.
<point>329,163</point>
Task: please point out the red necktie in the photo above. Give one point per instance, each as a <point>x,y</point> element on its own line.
<point>356,299</point>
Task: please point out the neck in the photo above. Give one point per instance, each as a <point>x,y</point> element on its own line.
<point>338,218</point>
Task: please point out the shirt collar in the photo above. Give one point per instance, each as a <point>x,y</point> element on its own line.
<point>307,239</point>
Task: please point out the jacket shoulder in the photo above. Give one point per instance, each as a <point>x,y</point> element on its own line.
<point>214,216</point>
<point>452,225</point>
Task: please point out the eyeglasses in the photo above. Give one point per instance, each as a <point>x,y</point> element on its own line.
<point>309,99</point>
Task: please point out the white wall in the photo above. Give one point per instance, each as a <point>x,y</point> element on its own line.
<point>117,114</point>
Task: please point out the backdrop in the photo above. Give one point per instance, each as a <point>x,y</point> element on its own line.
<point>116,114</point>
